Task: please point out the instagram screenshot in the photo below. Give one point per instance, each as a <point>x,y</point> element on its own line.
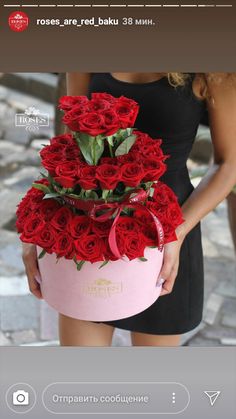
<point>118,209</point>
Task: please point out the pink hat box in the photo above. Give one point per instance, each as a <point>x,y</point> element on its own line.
<point>118,290</point>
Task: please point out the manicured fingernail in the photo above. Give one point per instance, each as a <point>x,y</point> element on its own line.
<point>160,281</point>
<point>38,278</point>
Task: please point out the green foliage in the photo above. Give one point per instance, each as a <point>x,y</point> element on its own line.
<point>125,146</point>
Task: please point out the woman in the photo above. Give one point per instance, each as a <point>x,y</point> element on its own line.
<point>171,107</point>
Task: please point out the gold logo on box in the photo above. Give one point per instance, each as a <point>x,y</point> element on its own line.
<point>103,288</point>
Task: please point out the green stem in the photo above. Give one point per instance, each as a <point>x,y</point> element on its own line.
<point>93,152</point>
<point>111,150</point>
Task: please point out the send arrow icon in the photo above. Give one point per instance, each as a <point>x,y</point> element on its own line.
<point>213,396</point>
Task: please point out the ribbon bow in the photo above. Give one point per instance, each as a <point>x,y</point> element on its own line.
<point>114,209</point>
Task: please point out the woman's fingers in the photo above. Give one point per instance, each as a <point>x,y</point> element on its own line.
<point>168,285</point>
<point>31,267</point>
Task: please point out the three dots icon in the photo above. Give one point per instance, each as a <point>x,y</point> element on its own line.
<point>173,398</point>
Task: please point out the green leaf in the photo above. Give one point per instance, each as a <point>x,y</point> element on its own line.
<point>91,147</point>
<point>125,146</point>
<point>41,187</point>
<point>110,140</point>
<point>143,259</point>
<point>79,265</point>
<point>105,193</point>
<point>103,264</point>
<point>91,194</point>
<point>51,195</point>
<point>42,254</point>
<point>151,192</point>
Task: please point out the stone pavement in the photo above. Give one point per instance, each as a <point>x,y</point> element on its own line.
<point>24,319</point>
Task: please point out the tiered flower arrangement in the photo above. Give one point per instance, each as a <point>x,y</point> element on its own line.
<point>101,198</point>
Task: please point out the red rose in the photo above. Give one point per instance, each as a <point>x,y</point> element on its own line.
<point>87,176</point>
<point>67,174</point>
<point>63,245</point>
<point>61,219</point>
<point>134,245</point>
<point>32,227</point>
<point>71,118</point>
<point>99,104</point>
<point>127,111</point>
<point>169,232</point>
<point>46,237</point>
<point>23,212</point>
<point>108,175</point>
<point>101,229</point>
<point>72,153</point>
<point>111,121</point>
<point>108,255</point>
<point>127,225</point>
<point>52,150</point>
<point>104,96</point>
<point>109,160</point>
<point>142,216</point>
<point>89,247</point>
<point>64,139</point>
<point>51,163</point>
<point>163,195</point>
<point>175,214</point>
<point>91,123</point>
<point>48,208</point>
<point>79,225</point>
<point>150,234</point>
<point>66,103</point>
<point>131,174</point>
<point>154,169</point>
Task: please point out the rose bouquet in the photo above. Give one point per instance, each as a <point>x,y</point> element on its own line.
<point>101,198</point>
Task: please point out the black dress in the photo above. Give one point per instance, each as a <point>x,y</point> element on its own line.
<point>172,114</point>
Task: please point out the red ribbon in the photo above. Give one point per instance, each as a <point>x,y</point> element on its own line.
<point>115,208</point>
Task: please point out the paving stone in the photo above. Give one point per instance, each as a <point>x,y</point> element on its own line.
<point>3,93</point>
<point>229,320</point>
<point>209,248</point>
<point>212,308</point>
<point>4,341</point>
<point>9,200</point>
<point>11,255</point>
<point>19,313</point>
<point>40,85</point>
<point>18,135</point>
<point>8,147</point>
<point>218,332</point>
<point>39,143</point>
<point>23,337</point>
<point>228,288</point>
<point>218,229</point>
<point>27,157</point>
<point>121,338</point>
<point>14,286</point>
<point>201,341</point>
<point>22,179</point>
<point>228,341</point>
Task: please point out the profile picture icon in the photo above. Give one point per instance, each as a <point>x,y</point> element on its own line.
<point>18,21</point>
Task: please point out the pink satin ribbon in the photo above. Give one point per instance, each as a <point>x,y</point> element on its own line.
<point>115,208</point>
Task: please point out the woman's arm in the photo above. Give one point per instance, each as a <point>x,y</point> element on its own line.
<point>220,178</point>
<point>77,83</point>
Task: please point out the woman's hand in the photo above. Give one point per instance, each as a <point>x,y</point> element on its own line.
<point>170,266</point>
<point>29,256</point>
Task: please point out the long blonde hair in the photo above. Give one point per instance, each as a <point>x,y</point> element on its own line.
<point>179,79</point>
